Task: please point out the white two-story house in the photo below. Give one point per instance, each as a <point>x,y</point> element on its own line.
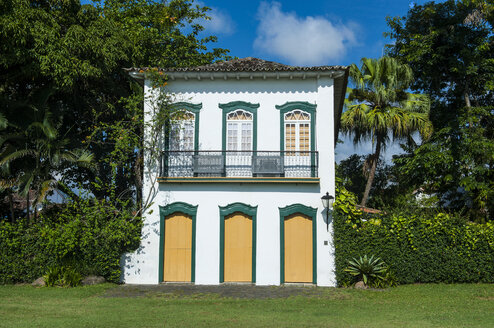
<point>241,176</point>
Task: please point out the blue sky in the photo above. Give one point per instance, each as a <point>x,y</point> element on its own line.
<point>309,32</point>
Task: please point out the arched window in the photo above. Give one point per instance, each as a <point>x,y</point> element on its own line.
<point>182,131</point>
<point>239,130</point>
<point>297,131</point>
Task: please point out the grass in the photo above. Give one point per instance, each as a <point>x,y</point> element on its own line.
<point>405,306</point>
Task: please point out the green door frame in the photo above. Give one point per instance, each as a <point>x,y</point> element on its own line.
<point>167,210</point>
<point>228,210</point>
<point>307,211</point>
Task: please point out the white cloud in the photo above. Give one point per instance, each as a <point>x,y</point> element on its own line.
<point>220,22</point>
<point>302,40</point>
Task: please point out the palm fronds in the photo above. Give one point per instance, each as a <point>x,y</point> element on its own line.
<point>32,152</point>
<point>379,107</point>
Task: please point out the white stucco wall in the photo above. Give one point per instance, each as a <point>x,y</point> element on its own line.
<point>142,266</point>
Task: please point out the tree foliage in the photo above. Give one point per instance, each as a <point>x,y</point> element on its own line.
<point>353,175</point>
<point>457,164</point>
<point>78,52</point>
<point>449,46</point>
<point>451,55</point>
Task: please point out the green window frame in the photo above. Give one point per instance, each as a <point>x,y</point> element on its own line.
<point>233,106</point>
<point>306,107</point>
<point>310,212</point>
<point>187,209</point>
<point>194,109</point>
<point>226,211</point>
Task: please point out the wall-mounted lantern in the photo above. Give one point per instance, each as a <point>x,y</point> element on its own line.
<point>327,202</point>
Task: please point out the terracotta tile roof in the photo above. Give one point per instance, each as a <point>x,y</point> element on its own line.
<point>248,64</point>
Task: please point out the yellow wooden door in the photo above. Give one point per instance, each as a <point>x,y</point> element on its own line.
<point>178,248</point>
<point>298,248</point>
<point>238,248</point>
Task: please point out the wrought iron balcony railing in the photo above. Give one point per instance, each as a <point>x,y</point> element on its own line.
<point>291,164</point>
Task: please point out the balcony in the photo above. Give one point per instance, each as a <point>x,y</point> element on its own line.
<point>239,166</point>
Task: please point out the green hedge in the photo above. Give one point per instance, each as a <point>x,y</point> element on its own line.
<point>419,248</point>
<point>88,235</point>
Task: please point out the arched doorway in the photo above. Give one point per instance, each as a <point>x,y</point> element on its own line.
<point>298,248</point>
<point>238,243</point>
<point>177,266</point>
<point>238,248</point>
<point>298,258</point>
<point>177,242</point>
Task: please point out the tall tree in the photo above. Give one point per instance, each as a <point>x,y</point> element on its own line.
<point>378,107</point>
<point>457,165</point>
<point>80,50</point>
<point>449,45</point>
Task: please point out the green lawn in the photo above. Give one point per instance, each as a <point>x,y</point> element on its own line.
<point>404,306</point>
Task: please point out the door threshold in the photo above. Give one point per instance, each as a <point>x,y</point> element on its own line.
<point>299,284</point>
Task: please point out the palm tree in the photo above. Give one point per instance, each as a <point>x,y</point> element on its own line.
<point>379,107</point>
<point>37,151</point>
<point>43,164</point>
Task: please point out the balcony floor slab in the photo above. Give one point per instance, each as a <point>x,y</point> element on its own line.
<point>237,180</point>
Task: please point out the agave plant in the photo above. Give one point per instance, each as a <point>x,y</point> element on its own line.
<point>367,269</point>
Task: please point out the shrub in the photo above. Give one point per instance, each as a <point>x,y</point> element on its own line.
<point>22,253</point>
<point>388,280</point>
<point>418,247</point>
<point>90,235</point>
<point>62,276</point>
